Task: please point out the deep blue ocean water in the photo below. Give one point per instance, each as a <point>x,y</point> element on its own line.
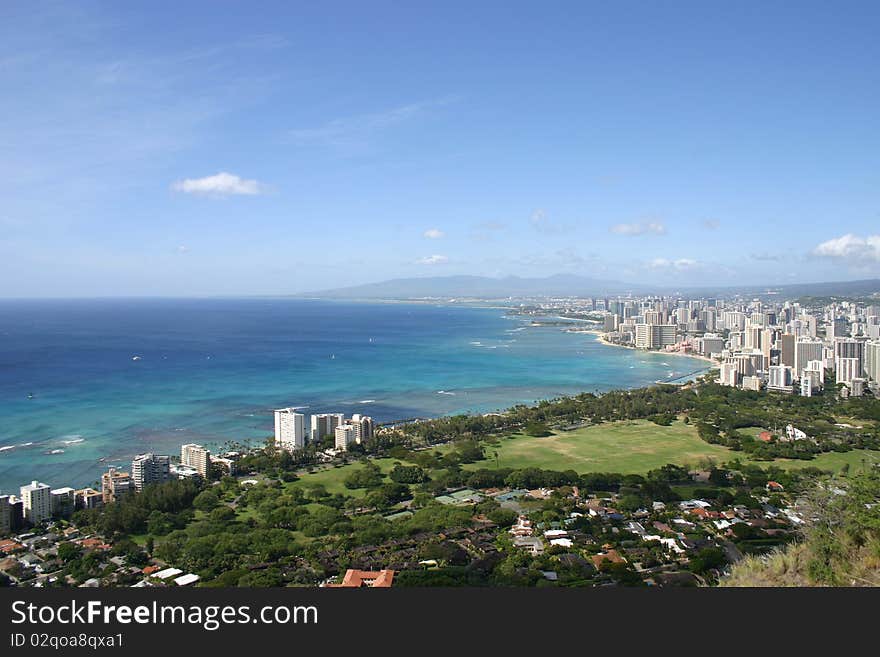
<point>212,370</point>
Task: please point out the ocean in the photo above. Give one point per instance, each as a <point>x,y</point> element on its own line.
<point>85,384</point>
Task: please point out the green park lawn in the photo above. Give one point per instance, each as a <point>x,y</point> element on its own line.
<point>633,447</point>
<point>629,447</point>
<point>857,459</point>
<point>332,478</point>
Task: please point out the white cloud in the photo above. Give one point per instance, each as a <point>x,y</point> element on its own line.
<point>681,264</point>
<point>221,184</point>
<point>434,233</point>
<point>851,247</point>
<point>183,249</point>
<point>654,227</point>
<point>433,260</point>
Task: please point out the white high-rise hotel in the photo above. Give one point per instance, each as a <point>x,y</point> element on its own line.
<point>196,456</point>
<point>37,500</point>
<point>149,469</point>
<point>290,430</point>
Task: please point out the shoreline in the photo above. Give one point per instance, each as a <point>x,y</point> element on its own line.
<point>600,337</point>
<point>102,453</point>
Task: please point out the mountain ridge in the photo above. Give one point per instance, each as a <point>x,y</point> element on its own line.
<point>479,286</point>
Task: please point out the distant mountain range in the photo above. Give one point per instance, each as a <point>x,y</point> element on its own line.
<point>564,285</point>
<point>482,287</point>
<point>860,288</point>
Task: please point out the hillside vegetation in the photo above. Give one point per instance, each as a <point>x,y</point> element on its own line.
<point>841,540</point>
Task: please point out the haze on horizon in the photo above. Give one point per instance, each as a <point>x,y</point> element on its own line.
<point>204,149</point>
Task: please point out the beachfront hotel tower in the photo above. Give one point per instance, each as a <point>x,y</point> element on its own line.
<point>149,469</point>
<point>324,424</point>
<point>196,457</point>
<point>290,430</point>
<point>37,500</point>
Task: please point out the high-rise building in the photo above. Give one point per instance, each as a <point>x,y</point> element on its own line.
<point>363,427</point>
<point>805,350</point>
<point>849,348</point>
<point>847,369</point>
<point>655,336</point>
<point>5,514</point>
<point>115,484</point>
<point>733,320</point>
<point>709,344</point>
<point>857,387</point>
<point>751,383</point>
<point>63,501</point>
<point>652,317</point>
<point>148,469</point>
<point>872,361</point>
<point>809,326</point>
<point>779,378</point>
<point>37,499</point>
<point>324,424</point>
<point>845,351</point>
<point>88,498</point>
<point>290,431</point>
<point>754,337</point>
<point>786,343</point>
<point>345,436</point>
<point>729,375</point>
<point>838,328</point>
<point>811,382</point>
<point>610,323</point>
<point>709,319</point>
<point>196,457</point>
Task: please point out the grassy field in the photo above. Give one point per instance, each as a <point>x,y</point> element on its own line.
<point>857,459</point>
<point>629,447</point>
<point>332,478</point>
<point>633,447</point>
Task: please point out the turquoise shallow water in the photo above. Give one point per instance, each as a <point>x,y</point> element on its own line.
<point>212,370</point>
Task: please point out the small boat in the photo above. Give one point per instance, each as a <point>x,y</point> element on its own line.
<point>30,395</point>
<point>135,357</point>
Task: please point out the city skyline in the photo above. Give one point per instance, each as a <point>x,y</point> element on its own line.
<point>229,152</point>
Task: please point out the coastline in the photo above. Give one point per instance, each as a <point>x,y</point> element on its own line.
<point>150,410</point>
<point>600,337</point>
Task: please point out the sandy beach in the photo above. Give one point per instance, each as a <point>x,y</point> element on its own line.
<point>600,337</point>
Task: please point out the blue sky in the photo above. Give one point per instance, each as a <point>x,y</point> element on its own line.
<point>169,148</point>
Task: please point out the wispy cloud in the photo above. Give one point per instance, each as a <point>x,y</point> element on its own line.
<point>433,260</point>
<point>357,130</point>
<point>634,229</point>
<point>541,222</point>
<point>857,249</point>
<point>220,184</point>
<point>487,230</point>
<point>434,233</point>
<point>767,257</point>
<point>711,224</point>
